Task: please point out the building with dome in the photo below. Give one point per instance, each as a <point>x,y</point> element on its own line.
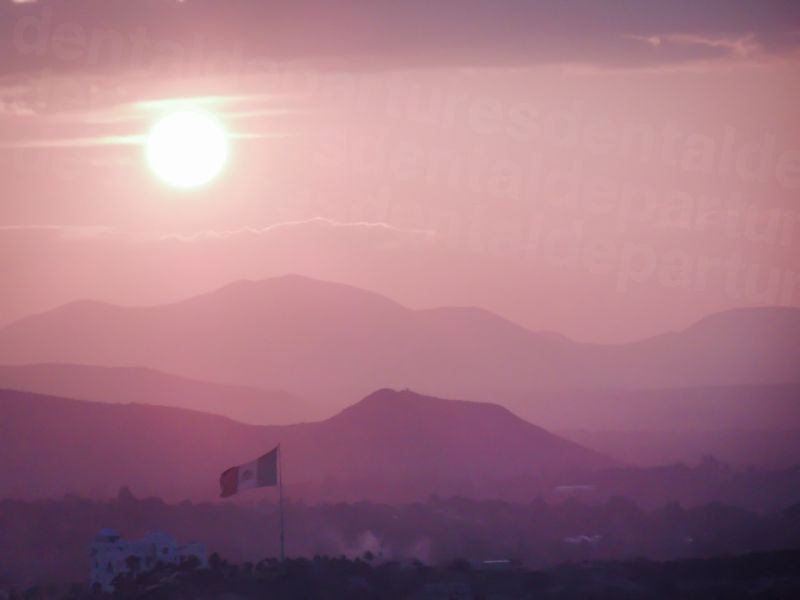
<point>111,555</point>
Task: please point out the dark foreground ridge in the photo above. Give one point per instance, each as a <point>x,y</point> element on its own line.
<point>765,575</point>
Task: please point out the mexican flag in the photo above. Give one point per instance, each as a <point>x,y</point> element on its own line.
<point>262,472</point>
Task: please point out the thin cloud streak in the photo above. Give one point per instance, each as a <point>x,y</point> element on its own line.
<point>324,221</point>
<point>745,46</point>
<point>77,232</point>
<point>119,140</point>
<point>80,142</point>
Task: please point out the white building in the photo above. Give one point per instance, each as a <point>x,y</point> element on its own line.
<point>111,555</point>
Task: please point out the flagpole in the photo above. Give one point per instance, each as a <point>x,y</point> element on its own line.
<point>280,498</point>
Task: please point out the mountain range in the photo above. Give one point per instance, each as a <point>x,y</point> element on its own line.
<point>390,445</point>
<point>329,343</point>
<point>125,385</point>
<point>610,420</point>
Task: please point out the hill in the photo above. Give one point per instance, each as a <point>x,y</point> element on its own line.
<point>331,342</point>
<point>756,407</point>
<point>125,385</point>
<point>742,425</point>
<point>390,445</point>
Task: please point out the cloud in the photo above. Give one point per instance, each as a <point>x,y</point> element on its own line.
<point>253,34</point>
<point>13,101</point>
<point>59,232</point>
<point>72,232</point>
<point>744,46</point>
<point>81,142</point>
<point>315,222</point>
<point>119,123</point>
<point>16,109</point>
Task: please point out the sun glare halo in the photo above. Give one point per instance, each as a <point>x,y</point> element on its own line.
<point>187,148</point>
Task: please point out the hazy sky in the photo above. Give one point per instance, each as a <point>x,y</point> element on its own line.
<point>607,170</point>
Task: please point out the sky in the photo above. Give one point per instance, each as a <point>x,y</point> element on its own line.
<point>607,170</point>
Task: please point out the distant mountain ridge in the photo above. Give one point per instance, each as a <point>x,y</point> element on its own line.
<point>703,408</point>
<point>390,445</point>
<point>124,385</point>
<point>745,425</point>
<point>331,341</point>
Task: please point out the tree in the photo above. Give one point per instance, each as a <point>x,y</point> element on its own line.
<point>215,563</point>
<point>134,564</point>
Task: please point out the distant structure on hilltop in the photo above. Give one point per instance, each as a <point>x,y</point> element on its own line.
<point>112,556</point>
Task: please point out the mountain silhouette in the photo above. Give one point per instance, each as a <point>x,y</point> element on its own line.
<point>145,386</point>
<point>755,407</point>
<point>331,342</point>
<point>746,425</point>
<point>394,445</point>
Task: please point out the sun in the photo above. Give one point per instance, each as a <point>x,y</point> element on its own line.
<point>187,148</point>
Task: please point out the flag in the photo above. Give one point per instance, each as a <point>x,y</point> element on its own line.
<point>262,472</point>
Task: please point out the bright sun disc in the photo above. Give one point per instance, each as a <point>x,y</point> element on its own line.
<point>187,148</point>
